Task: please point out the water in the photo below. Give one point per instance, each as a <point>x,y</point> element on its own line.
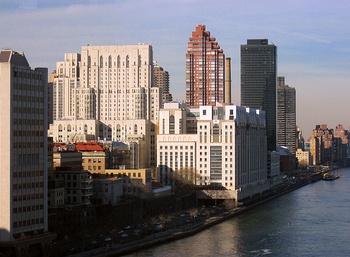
<point>311,221</point>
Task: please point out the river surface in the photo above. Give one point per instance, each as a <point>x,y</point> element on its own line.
<point>311,221</point>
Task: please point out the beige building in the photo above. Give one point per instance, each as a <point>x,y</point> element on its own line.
<point>24,151</point>
<point>304,158</point>
<point>136,182</point>
<point>228,150</point>
<point>93,156</point>
<point>107,93</point>
<point>161,79</point>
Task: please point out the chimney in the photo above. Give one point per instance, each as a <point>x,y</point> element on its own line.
<point>228,81</point>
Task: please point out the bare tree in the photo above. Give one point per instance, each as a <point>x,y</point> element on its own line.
<point>229,204</point>
<point>194,214</point>
<point>184,180</point>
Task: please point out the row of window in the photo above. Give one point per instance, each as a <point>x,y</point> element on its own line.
<point>28,197</point>
<point>27,133</point>
<point>28,145</point>
<point>119,175</point>
<point>28,185</point>
<point>93,160</point>
<point>28,110</point>
<point>27,222</point>
<point>33,173</point>
<point>28,208</point>
<point>28,121</point>
<point>27,87</point>
<point>177,147</point>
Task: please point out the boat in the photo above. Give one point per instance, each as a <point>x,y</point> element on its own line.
<point>329,176</point>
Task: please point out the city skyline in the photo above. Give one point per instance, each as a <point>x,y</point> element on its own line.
<point>311,38</point>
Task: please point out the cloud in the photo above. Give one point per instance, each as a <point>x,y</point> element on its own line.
<point>312,36</point>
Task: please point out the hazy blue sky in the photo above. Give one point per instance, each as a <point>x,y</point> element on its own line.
<point>312,37</point>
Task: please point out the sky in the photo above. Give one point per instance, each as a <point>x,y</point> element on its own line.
<point>312,39</point>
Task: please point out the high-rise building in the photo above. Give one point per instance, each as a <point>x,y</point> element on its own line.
<point>105,83</point>
<point>286,115</point>
<point>205,69</point>
<point>23,159</point>
<point>258,82</point>
<point>65,82</point>
<point>107,93</point>
<point>161,80</point>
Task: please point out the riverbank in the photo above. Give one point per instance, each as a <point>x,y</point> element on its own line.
<point>185,230</point>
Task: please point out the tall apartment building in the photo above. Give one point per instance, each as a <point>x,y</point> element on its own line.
<point>228,150</point>
<point>105,83</point>
<point>258,82</point>
<point>328,146</point>
<point>23,160</point>
<point>321,145</point>
<point>161,80</point>
<point>65,82</point>
<point>286,115</point>
<point>107,93</point>
<point>205,69</point>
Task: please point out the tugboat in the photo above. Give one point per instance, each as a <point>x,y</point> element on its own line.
<point>329,177</point>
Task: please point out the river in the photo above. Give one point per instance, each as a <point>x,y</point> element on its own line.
<point>311,221</point>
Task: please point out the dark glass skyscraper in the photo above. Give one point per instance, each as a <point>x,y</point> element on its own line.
<point>286,115</point>
<point>258,82</point>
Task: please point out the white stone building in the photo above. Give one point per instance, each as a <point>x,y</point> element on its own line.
<point>107,93</point>
<point>229,148</point>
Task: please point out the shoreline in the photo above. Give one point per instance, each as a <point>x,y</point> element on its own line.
<point>183,232</point>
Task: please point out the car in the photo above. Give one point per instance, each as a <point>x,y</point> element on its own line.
<point>124,235</point>
<point>112,231</point>
<point>108,239</point>
<point>159,227</point>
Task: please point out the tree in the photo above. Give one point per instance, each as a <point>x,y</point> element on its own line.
<point>184,180</point>
<point>229,204</point>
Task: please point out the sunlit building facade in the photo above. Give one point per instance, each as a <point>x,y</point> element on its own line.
<point>24,168</point>
<point>228,150</point>
<point>205,69</point>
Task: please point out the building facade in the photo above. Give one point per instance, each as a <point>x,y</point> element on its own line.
<point>228,150</point>
<point>24,168</point>
<point>205,69</point>
<point>136,182</point>
<point>304,158</point>
<point>107,93</point>
<point>77,184</point>
<point>162,81</point>
<point>329,146</point>
<point>258,82</point>
<point>286,115</point>
<point>107,190</point>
